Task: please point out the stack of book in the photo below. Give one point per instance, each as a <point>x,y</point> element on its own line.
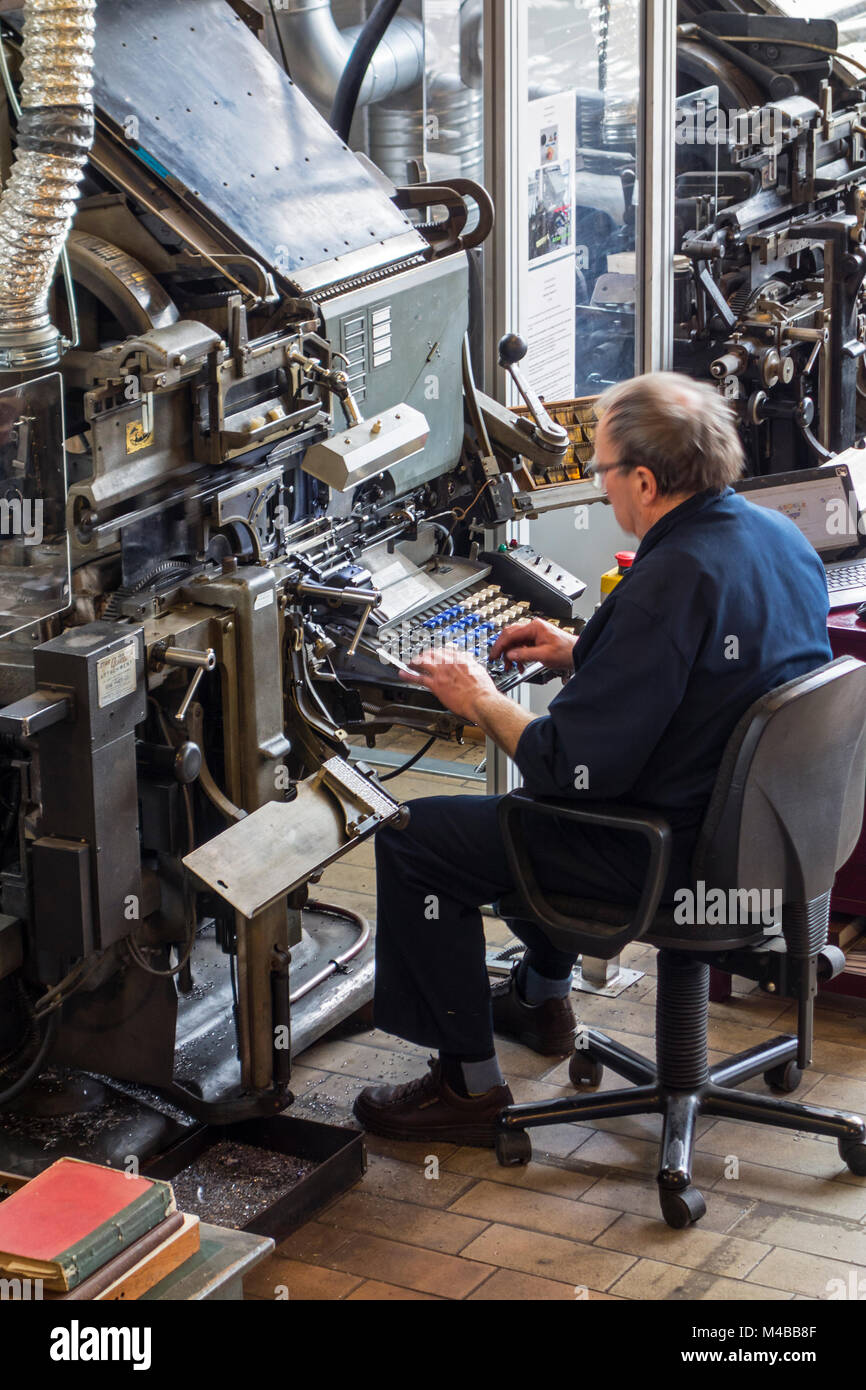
<point>81,1231</point>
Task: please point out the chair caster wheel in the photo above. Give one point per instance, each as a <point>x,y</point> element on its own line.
<point>584,1072</point>
<point>681,1209</point>
<point>785,1077</point>
<point>513,1148</point>
<point>854,1154</point>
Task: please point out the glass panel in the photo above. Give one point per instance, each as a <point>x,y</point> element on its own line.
<point>34,554</point>
<point>579,145</point>
<point>433,129</point>
<point>697,133</point>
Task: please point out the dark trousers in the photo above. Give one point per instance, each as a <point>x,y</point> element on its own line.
<point>431,978</point>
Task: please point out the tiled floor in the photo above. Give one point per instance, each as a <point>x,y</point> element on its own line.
<point>785,1220</point>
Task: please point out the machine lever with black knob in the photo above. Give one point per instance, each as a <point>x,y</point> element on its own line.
<point>513,349</point>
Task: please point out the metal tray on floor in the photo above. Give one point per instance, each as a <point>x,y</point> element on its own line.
<point>339,1153</point>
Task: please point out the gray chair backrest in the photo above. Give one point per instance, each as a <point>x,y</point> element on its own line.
<point>787,807</point>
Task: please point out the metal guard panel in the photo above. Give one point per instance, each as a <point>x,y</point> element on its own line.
<point>276,848</point>
<point>216,114</point>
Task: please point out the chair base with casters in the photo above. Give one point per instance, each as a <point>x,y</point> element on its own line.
<point>778,821</point>
<point>679,1087</point>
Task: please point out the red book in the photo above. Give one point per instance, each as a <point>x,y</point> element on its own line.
<point>70,1220</point>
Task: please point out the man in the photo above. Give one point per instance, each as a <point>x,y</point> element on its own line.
<point>725,600</point>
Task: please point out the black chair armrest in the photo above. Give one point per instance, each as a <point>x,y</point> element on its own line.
<point>591,937</point>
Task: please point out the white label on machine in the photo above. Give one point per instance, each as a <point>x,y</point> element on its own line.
<point>264,599</point>
<point>115,675</point>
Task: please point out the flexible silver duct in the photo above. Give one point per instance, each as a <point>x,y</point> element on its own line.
<point>454,133</point>
<point>55,134</point>
<point>317,52</point>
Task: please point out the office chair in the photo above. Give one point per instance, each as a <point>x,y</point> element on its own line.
<point>785,813</point>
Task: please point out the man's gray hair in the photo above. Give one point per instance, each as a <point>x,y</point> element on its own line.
<point>681,430</point>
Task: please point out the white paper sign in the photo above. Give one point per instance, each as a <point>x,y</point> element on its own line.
<point>548,281</point>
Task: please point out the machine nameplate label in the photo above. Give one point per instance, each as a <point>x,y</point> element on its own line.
<point>115,675</point>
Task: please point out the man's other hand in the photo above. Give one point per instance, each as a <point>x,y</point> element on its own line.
<point>458,681</point>
<point>536,641</point>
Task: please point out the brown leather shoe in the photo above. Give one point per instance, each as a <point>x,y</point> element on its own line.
<point>547,1028</point>
<point>428,1109</point>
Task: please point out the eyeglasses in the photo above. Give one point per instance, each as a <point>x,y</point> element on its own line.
<point>596,471</point>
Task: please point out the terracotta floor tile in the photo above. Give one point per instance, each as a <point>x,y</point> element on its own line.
<point>549,1256</point>
<point>651,1280</point>
<point>839,1059</point>
<point>408,1152</point>
<point>641,1156</point>
<point>528,1091</point>
<point>312,1243</point>
<point>538,1211</point>
<point>805,1231</point>
<point>301,1280</point>
<point>510,1286</point>
<point>624,1014</point>
<point>796,1191</point>
<point>374,1037</point>
<point>390,1262</point>
<point>755,1010</point>
<point>497,932</point>
<point>408,1182</point>
<point>641,1197</point>
<point>559,1141</point>
<point>802,1273</point>
<point>403,1221</point>
<point>639,957</point>
<point>330,1100</point>
<point>303,1078</point>
<point>832,1025</point>
<point>560,1180</point>
<point>372,1291</point>
<point>775,1148</point>
<point>363,904</point>
<point>359,878</point>
<point>370,1064</point>
<point>838,1093</point>
<point>516,1060</point>
<point>694,1248</point>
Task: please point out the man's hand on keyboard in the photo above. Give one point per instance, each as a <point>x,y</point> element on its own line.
<point>535,641</point>
<point>457,680</point>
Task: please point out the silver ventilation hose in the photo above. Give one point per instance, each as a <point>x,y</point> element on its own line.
<point>317,51</point>
<point>55,135</point>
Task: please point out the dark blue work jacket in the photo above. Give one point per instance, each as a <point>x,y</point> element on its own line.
<point>724,601</point>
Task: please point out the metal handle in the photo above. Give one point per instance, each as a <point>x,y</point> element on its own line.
<point>512,349</point>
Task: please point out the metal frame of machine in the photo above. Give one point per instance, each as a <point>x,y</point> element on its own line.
<point>269,472</point>
<point>280,469</point>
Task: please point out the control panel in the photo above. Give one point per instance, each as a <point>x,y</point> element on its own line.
<point>529,575</point>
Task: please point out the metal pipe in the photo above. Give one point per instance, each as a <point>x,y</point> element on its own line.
<point>337,963</point>
<point>317,53</point>
<point>55,135</point>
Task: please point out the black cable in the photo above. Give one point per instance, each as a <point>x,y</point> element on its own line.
<point>411,762</point>
<point>352,80</point>
<point>33,1070</point>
